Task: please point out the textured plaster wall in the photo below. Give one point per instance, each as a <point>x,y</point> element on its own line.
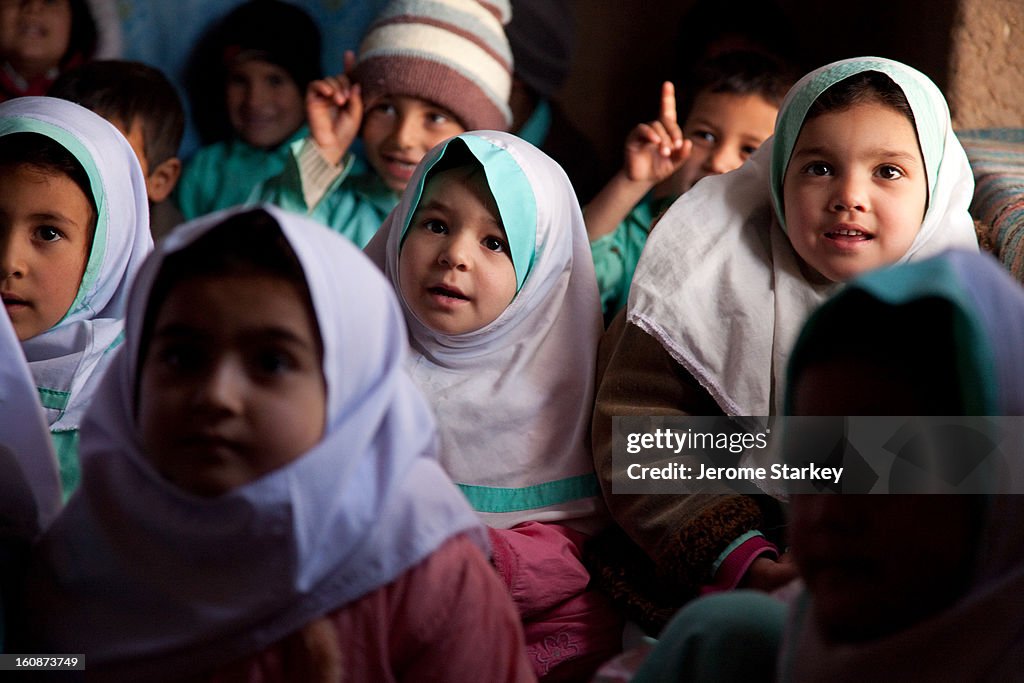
<point>986,70</point>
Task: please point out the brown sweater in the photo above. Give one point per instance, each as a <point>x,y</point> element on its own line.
<point>680,536</point>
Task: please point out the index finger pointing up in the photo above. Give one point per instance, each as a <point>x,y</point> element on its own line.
<point>668,113</point>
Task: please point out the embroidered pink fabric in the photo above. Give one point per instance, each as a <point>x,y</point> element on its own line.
<point>570,630</point>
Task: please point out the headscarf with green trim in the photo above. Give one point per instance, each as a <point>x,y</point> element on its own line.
<point>719,284</point>
<point>987,323</point>
<point>986,335</point>
<point>508,185</point>
<point>944,158</point>
<point>68,359</point>
<point>513,399</point>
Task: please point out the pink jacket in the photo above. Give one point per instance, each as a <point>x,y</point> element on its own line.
<point>447,619</point>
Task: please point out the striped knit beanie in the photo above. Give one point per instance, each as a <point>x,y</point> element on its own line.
<point>453,53</point>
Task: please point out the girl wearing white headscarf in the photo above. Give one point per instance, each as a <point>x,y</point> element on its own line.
<point>718,298</point>
<point>68,360</point>
<point>152,582</point>
<point>513,397</point>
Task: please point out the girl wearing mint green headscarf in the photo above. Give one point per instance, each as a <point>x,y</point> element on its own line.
<point>889,577</point>
<point>512,390</point>
<point>68,359</point>
<point>916,570</point>
<point>737,264</point>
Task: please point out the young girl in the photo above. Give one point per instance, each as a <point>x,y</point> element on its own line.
<point>489,254</point>
<point>38,40</point>
<point>889,577</point>
<point>251,72</point>
<point>864,170</point>
<point>74,228</point>
<point>259,462</point>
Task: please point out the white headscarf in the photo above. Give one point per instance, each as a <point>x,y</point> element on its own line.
<point>29,484</point>
<point>151,582</point>
<point>719,284</point>
<point>68,359</point>
<point>981,636</point>
<point>514,398</point>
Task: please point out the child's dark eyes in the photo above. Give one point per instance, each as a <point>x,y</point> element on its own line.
<point>435,226</point>
<point>191,360</point>
<point>275,81</point>
<point>818,168</point>
<point>180,358</point>
<point>888,172</point>
<point>747,150</point>
<point>437,118</point>
<point>494,244</point>
<point>274,362</point>
<point>702,137</point>
<point>48,233</point>
<point>383,108</point>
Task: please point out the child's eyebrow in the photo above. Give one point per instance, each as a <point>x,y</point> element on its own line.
<point>700,120</point>
<point>265,333</point>
<point>51,216</point>
<point>438,205</point>
<point>875,153</point>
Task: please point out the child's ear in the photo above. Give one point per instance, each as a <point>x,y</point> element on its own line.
<point>162,179</point>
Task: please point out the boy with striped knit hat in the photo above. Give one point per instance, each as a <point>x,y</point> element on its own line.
<point>427,70</point>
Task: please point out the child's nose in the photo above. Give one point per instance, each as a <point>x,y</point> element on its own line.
<point>454,254</point>
<point>848,195</point>
<point>222,390</point>
<point>12,260</point>
<point>722,160</point>
<point>404,133</point>
<point>256,94</point>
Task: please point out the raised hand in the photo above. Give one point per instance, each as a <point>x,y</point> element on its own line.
<point>657,149</point>
<point>334,108</point>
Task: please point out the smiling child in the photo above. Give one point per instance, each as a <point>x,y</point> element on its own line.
<point>425,72</point>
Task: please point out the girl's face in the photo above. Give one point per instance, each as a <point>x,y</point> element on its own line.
<point>231,384</point>
<point>34,34</point>
<point>264,104</point>
<point>46,226</point>
<point>397,133</point>
<point>455,270</point>
<point>855,190</point>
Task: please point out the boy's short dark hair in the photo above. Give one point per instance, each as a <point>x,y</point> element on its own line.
<point>125,91</point>
<point>274,31</point>
<point>742,72</point>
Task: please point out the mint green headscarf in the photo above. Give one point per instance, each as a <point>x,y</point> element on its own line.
<point>510,188</point>
<point>719,284</point>
<point>931,116</point>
